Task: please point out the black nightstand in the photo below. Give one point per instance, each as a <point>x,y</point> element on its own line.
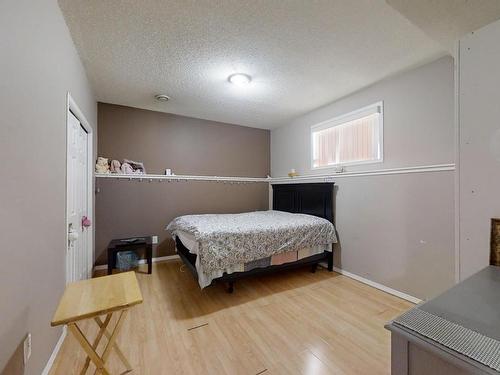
<point>124,244</point>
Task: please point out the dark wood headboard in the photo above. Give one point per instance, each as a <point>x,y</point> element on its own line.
<point>309,198</point>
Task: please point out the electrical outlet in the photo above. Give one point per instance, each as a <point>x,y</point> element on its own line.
<point>27,348</point>
<point>154,239</point>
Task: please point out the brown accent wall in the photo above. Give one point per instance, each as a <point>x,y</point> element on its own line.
<point>186,145</point>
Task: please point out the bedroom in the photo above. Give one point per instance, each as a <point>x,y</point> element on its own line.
<point>346,153</point>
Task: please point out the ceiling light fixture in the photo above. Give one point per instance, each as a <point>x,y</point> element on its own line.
<point>239,79</point>
<point>162,97</point>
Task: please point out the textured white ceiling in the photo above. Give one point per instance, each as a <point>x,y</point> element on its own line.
<point>301,54</point>
<point>446,21</point>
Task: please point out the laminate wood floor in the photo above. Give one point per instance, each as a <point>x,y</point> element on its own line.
<point>293,322</point>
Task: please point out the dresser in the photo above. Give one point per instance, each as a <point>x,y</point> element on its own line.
<point>455,333</point>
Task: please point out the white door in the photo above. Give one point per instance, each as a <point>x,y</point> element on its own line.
<point>78,257</point>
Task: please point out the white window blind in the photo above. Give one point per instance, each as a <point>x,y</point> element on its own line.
<point>349,139</point>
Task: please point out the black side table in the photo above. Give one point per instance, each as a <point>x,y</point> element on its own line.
<point>124,244</point>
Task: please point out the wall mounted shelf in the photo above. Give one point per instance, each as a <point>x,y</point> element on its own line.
<point>179,178</point>
<point>330,177</point>
<point>323,177</point>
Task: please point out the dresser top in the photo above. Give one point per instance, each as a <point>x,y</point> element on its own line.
<point>474,303</point>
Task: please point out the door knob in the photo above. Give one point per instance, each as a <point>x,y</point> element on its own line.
<point>72,234</point>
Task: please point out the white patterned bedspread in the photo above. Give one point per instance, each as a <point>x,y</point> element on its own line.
<point>225,240</point>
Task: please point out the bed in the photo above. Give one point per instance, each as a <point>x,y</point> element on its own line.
<point>297,232</point>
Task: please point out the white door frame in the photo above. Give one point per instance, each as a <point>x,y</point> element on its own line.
<point>73,107</point>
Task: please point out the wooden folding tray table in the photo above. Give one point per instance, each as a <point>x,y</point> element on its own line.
<point>89,299</point>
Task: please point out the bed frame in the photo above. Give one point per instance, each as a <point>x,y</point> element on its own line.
<point>308,198</point>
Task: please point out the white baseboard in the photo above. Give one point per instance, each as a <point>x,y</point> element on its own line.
<point>141,261</point>
<point>53,356</point>
<point>381,287</point>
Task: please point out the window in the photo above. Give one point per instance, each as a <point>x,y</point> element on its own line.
<point>354,138</point>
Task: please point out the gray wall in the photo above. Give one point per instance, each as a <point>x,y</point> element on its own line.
<point>38,65</point>
<point>418,122</point>
<point>188,146</point>
<point>396,230</point>
<point>479,148</point>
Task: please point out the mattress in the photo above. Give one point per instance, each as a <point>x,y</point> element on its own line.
<point>229,243</point>
<point>205,278</point>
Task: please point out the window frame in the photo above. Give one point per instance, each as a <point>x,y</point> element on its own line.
<point>342,119</point>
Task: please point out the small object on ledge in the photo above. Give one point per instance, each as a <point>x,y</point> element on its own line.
<point>115,166</point>
<point>292,173</point>
<point>137,166</point>
<point>102,165</point>
<point>126,168</point>
<point>168,172</point>
<point>340,170</point>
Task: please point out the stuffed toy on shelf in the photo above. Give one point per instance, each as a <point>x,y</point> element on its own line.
<point>102,165</point>
<point>115,166</point>
<point>137,166</point>
<point>126,168</point>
